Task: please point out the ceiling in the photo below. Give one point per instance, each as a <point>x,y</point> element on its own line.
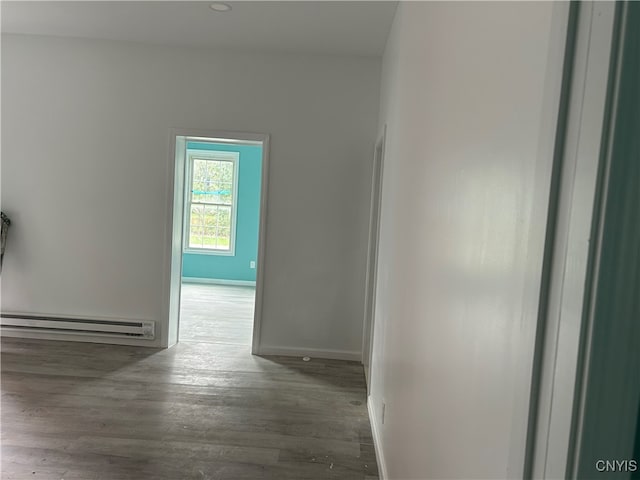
<point>324,27</point>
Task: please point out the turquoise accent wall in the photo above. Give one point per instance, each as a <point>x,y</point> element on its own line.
<point>234,267</point>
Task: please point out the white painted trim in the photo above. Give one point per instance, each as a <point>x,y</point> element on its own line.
<point>174,228</point>
<point>222,155</point>
<point>558,80</point>
<point>310,352</point>
<point>620,433</point>
<point>262,240</point>
<point>375,210</point>
<point>173,237</point>
<point>377,441</point>
<point>228,141</point>
<point>218,281</point>
<point>560,361</point>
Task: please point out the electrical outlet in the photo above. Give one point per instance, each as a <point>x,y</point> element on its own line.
<point>252,264</point>
<point>384,410</point>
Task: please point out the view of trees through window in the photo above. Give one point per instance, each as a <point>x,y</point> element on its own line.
<point>211,206</point>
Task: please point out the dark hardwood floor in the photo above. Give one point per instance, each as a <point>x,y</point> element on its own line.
<point>204,409</point>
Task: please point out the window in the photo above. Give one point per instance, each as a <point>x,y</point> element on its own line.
<point>212,199</point>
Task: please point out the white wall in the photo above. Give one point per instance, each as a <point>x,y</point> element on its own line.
<point>469,95</point>
<point>85,138</point>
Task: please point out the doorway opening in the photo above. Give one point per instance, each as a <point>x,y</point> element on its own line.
<point>217,243</point>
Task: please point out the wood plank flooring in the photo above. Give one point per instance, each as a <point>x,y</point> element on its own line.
<point>217,313</point>
<point>203,409</point>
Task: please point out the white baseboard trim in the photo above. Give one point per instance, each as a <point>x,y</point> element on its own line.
<point>310,352</point>
<point>219,281</point>
<point>377,441</point>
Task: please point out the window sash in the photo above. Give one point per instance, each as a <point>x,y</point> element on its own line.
<point>219,235</point>
<point>210,179</point>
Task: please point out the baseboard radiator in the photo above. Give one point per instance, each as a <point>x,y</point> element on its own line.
<point>108,328</point>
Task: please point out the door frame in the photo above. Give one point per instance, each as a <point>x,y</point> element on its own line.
<point>372,252</point>
<point>571,245</point>
<point>608,395</point>
<point>174,231</point>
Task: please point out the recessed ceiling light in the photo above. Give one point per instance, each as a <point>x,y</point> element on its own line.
<point>220,7</point>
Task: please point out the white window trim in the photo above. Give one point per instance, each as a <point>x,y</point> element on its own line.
<point>233,157</point>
